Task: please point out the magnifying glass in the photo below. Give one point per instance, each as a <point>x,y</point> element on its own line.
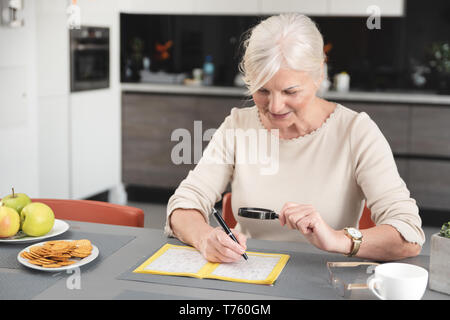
<point>257,213</point>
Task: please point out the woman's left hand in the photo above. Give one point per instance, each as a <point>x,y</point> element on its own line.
<point>308,221</point>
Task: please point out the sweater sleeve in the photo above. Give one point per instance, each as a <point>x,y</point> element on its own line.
<point>204,185</point>
<point>376,173</point>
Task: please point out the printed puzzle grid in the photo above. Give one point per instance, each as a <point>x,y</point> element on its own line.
<point>178,260</point>
<point>183,260</point>
<point>255,268</point>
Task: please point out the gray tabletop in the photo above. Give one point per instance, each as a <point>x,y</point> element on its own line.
<point>105,278</point>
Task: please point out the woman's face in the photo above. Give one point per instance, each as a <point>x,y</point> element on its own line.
<point>285,99</point>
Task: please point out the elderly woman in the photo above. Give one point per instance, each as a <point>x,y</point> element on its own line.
<point>330,161</point>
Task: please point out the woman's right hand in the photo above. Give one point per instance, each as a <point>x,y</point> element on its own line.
<point>216,246</point>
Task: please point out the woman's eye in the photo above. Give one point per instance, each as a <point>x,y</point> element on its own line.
<point>291,93</point>
<point>263,91</point>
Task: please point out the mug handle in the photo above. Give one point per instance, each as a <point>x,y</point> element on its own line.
<point>371,281</point>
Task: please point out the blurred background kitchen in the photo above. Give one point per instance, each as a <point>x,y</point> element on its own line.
<point>92,90</point>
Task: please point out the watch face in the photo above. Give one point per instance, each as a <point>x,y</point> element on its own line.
<point>355,233</point>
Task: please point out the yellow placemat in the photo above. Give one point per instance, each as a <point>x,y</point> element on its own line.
<point>260,268</point>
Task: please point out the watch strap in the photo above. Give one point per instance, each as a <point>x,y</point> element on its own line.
<point>356,243</point>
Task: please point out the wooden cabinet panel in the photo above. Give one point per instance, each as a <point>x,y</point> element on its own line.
<point>148,121</point>
<point>403,169</point>
<point>429,183</point>
<point>430,131</point>
<point>393,121</point>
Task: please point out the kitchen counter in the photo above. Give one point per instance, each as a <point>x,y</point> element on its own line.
<point>182,89</point>
<point>370,96</point>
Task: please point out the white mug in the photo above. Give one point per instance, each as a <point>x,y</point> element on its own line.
<point>398,281</point>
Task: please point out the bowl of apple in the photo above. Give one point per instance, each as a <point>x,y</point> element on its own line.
<point>22,220</point>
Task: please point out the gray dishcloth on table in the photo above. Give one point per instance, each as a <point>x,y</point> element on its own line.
<point>302,272</point>
<point>106,244</point>
<point>25,282</point>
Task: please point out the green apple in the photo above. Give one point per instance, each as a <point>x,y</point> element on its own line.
<point>16,201</point>
<point>9,222</point>
<point>37,219</point>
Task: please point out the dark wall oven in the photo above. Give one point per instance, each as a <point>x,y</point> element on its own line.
<point>89,58</point>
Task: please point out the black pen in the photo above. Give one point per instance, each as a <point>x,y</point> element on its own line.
<point>226,229</point>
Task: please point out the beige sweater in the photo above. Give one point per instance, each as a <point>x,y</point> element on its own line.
<point>335,168</point>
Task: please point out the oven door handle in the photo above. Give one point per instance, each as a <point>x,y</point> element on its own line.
<point>83,47</point>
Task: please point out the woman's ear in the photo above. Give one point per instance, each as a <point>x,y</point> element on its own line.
<point>319,81</point>
<point>322,72</point>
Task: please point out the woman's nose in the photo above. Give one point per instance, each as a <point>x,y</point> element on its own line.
<point>276,104</point>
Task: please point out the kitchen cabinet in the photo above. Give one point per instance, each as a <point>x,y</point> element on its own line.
<point>34,92</point>
<point>52,46</point>
<point>95,117</point>
<point>95,142</point>
<point>391,8</point>
<point>430,130</point>
<point>429,183</point>
<point>419,136</point>
<point>18,144</point>
<point>403,169</point>
<point>430,140</point>
<point>156,7</point>
<point>387,8</point>
<point>148,121</point>
<point>235,7</point>
<point>313,8</point>
<point>54,151</point>
<point>20,91</point>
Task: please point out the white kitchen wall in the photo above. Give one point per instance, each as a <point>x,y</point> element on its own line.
<point>54,143</point>
<point>18,107</point>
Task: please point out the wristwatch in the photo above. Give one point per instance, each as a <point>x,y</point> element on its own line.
<point>356,236</point>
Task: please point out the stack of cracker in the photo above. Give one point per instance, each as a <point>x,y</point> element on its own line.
<point>58,253</point>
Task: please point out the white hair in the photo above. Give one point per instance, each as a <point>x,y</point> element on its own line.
<point>290,41</point>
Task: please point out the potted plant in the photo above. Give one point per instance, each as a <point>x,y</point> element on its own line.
<point>440,260</point>
<point>440,62</point>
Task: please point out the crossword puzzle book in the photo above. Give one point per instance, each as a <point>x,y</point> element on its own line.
<point>174,260</point>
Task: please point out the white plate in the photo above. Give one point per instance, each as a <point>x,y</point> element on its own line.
<point>82,262</point>
<point>59,227</point>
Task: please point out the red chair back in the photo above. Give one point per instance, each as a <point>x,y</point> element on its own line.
<point>95,211</point>
<point>227,212</point>
<point>365,221</point>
